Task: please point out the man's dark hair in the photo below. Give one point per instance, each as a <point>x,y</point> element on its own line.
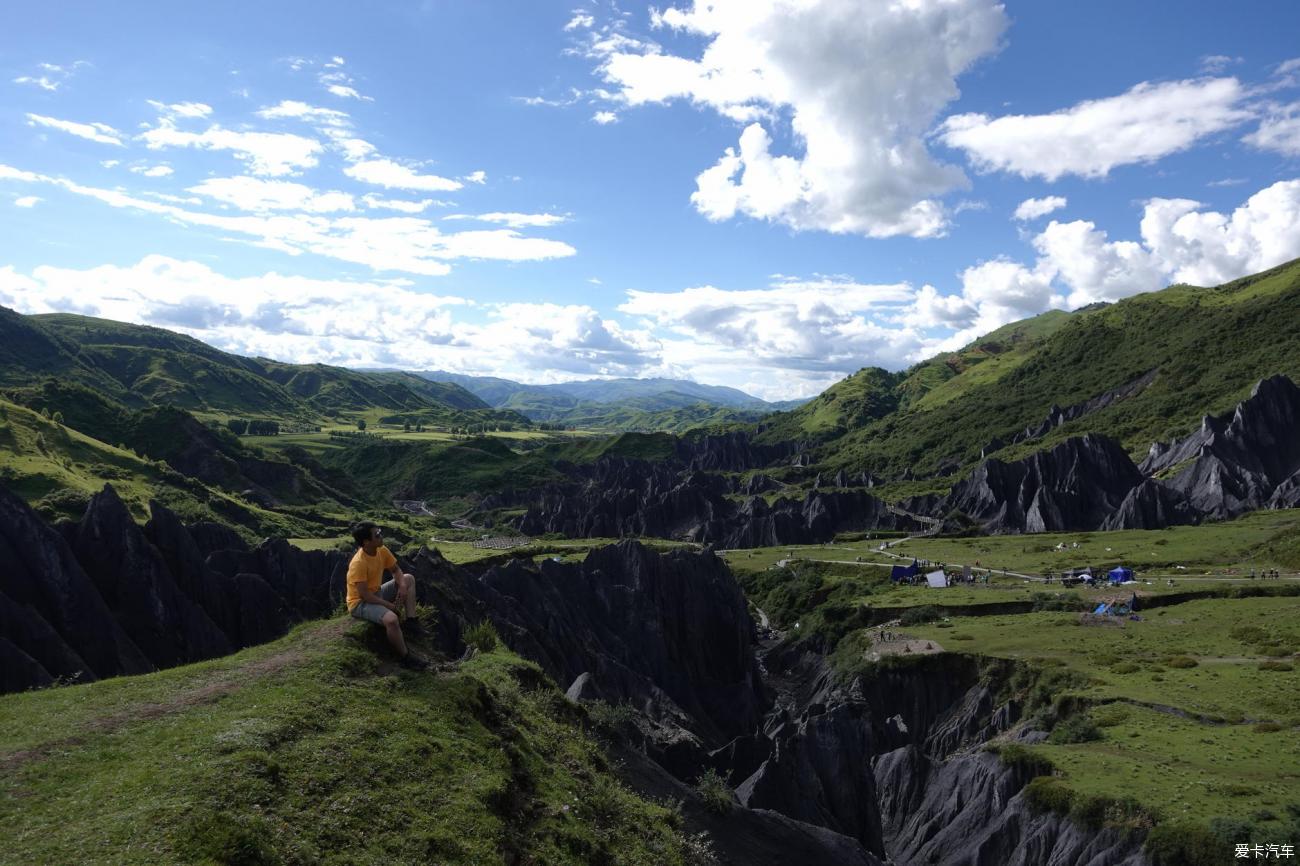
<point>363,531</point>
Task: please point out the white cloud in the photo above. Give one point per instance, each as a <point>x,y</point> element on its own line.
<point>858,162</point>
<point>1279,131</point>
<point>295,110</point>
<point>1033,208</point>
<point>383,244</point>
<point>267,153</point>
<point>358,324</point>
<point>811,329</point>
<point>344,91</point>
<point>514,220</point>
<point>188,110</point>
<point>479,176</point>
<point>375,202</point>
<point>604,118</point>
<point>393,175</point>
<point>101,133</point>
<point>1146,123</point>
<point>27,201</point>
<point>110,163</point>
<point>53,75</point>
<point>152,170</point>
<point>257,195</point>
<point>1079,264</point>
<point>579,21</point>
<point>1215,64</point>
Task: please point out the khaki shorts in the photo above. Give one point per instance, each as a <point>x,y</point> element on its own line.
<point>375,612</point>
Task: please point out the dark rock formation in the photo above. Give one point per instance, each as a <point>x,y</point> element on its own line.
<point>102,597</point>
<point>1151,505</point>
<point>1238,462</point>
<point>668,633</point>
<point>1075,486</point>
<point>618,498</point>
<point>133,579</point>
<point>47,594</point>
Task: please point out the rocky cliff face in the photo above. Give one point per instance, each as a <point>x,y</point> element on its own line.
<point>1076,485</point>
<point>102,597</point>
<point>1238,462</point>
<point>618,498</point>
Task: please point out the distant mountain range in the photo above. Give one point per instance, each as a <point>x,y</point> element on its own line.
<point>672,405</point>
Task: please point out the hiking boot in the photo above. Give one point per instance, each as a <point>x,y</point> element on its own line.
<point>414,628</point>
<point>412,662</point>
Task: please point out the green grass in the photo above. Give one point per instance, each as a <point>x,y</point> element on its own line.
<point>1262,540</point>
<point>312,750</point>
<point>1211,764</point>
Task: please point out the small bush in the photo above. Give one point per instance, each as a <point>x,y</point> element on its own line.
<point>1078,728</point>
<point>1021,758</point>
<point>919,615</point>
<point>1126,668</point>
<point>1109,715</point>
<point>963,637</point>
<point>1267,728</point>
<point>1181,662</point>
<point>1276,652</point>
<point>1273,665</point>
<point>1095,812</point>
<point>1183,843</point>
<point>1048,794</point>
<point>714,793</point>
<point>482,636</point>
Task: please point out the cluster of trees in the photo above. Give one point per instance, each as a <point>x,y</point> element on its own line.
<point>480,429</point>
<point>253,427</point>
<point>349,434</point>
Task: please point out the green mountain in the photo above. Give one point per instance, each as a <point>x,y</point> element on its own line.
<point>134,366</point>
<point>1183,352</point>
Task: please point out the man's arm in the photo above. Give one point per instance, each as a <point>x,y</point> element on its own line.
<point>369,597</point>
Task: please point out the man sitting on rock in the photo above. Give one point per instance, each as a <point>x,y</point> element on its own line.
<point>381,604</point>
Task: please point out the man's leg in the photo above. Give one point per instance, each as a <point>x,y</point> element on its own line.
<point>393,626</point>
<point>408,585</point>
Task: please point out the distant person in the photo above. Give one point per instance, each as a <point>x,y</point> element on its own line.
<point>382,603</point>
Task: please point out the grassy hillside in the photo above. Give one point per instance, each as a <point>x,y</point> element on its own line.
<point>314,749</point>
<point>1207,346</point>
<point>153,365</point>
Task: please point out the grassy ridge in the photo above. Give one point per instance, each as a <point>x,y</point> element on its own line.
<point>1208,346</point>
<point>313,750</point>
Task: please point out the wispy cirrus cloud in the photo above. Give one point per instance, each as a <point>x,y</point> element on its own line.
<point>101,133</point>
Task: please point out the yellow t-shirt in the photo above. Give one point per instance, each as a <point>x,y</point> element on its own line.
<point>368,570</point>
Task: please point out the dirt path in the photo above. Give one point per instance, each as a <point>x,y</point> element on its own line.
<point>205,691</point>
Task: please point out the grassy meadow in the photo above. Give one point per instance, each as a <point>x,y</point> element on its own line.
<point>314,749</point>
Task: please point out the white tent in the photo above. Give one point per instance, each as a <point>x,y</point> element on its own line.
<point>937,579</point>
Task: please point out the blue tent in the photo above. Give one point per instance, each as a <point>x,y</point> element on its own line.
<point>902,572</point>
<point>1121,574</point>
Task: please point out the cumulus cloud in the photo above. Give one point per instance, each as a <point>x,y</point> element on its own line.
<point>1033,208</point>
<point>97,132</point>
<point>1079,263</point>
<point>479,176</point>
<point>394,175</point>
<point>604,118</point>
<point>814,330</point>
<point>27,201</point>
<point>357,324</point>
<point>384,244</point>
<point>1142,125</point>
<point>579,21</point>
<point>161,170</point>
<point>858,162</point>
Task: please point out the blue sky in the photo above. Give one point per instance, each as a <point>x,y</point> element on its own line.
<point>768,195</point>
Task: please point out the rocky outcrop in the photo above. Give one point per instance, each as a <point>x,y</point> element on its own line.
<point>51,610</point>
<point>1239,462</point>
<point>619,498</point>
<point>668,633</point>
<point>1151,505</point>
<point>1075,486</point>
<point>1056,416</point>
<point>730,452</point>
<point>102,597</point>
